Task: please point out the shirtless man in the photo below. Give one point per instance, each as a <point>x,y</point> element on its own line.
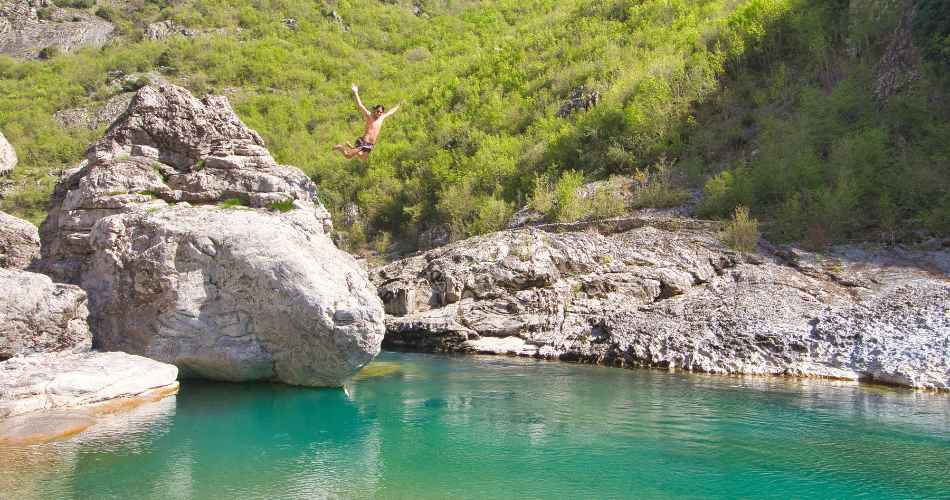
<point>374,122</point>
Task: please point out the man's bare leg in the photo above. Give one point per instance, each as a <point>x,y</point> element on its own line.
<point>347,150</point>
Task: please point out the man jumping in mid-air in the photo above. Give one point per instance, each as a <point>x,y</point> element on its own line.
<point>374,122</point>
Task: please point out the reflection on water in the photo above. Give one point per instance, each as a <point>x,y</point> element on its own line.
<point>483,427</point>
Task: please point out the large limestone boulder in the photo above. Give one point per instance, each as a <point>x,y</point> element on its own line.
<point>175,272</point>
<point>666,293</point>
<point>37,315</point>
<point>8,159</point>
<point>233,295</point>
<point>19,242</point>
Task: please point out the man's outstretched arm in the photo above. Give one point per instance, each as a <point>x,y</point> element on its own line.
<point>393,111</point>
<point>359,102</point>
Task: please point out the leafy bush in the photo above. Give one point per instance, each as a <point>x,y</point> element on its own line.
<point>742,232</point>
<point>282,206</point>
<point>607,201</point>
<point>75,4</point>
<point>49,52</point>
<point>542,195</point>
<point>232,203</point>
<point>657,189</point>
<point>106,13</point>
<point>568,205</point>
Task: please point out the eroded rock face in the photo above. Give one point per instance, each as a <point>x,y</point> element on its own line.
<point>37,315</point>
<point>8,159</point>
<point>30,384</point>
<point>19,242</point>
<point>667,293</point>
<point>24,34</point>
<point>248,293</point>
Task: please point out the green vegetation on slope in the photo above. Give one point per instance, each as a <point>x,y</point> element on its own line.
<point>705,82</point>
<point>802,139</point>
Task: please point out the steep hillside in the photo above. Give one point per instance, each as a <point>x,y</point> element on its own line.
<point>706,86</point>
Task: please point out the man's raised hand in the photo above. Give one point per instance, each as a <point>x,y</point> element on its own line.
<point>356,89</point>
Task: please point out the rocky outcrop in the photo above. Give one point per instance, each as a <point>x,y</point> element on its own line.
<point>198,249</point>
<point>666,293</point>
<point>166,29</point>
<point>580,100</point>
<point>95,117</point>
<point>900,65</point>
<point>24,33</point>
<point>19,242</point>
<point>37,315</point>
<point>8,159</point>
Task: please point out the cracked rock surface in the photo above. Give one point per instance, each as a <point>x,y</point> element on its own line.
<point>36,315</point>
<point>664,292</point>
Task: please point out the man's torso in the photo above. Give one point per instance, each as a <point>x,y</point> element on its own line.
<point>372,130</point>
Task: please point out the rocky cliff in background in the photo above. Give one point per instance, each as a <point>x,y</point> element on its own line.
<point>25,33</point>
<point>664,292</point>
<point>198,249</point>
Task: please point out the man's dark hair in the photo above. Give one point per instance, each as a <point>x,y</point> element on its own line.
<point>379,108</point>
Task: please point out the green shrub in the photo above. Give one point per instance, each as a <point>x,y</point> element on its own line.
<point>50,52</point>
<point>282,206</point>
<point>659,190</point>
<point>742,232</point>
<point>568,205</point>
<point>607,201</point>
<point>75,4</point>
<point>106,13</point>
<point>542,195</point>
<point>232,203</point>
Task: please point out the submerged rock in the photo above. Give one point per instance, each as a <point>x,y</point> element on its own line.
<point>666,293</point>
<point>252,289</point>
<point>8,159</point>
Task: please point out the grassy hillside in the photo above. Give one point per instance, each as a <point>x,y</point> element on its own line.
<point>709,85</point>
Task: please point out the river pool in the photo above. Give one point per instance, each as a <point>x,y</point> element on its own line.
<point>426,426</point>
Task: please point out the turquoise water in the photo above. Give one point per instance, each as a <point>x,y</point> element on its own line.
<point>487,427</point>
